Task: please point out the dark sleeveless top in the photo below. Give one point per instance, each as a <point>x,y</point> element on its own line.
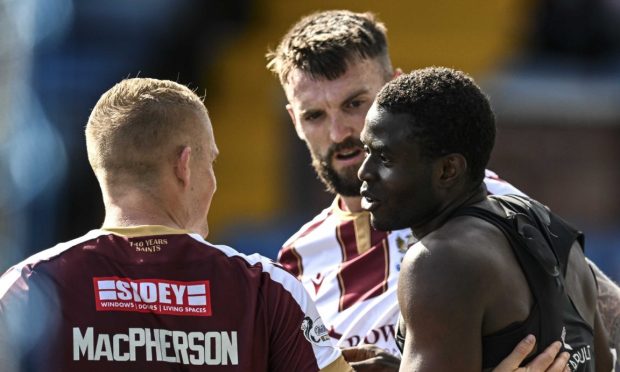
<point>541,242</point>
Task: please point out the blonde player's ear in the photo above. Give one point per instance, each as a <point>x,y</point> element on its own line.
<point>291,113</point>
<point>181,168</point>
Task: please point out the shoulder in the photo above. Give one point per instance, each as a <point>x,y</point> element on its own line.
<point>310,226</point>
<point>459,258</point>
<point>16,277</point>
<point>28,292</point>
<point>314,236</point>
<point>253,262</point>
<point>288,308</point>
<point>462,243</point>
<point>264,270</point>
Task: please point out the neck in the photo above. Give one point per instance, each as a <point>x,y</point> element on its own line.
<point>351,204</point>
<point>136,208</point>
<point>121,216</point>
<point>445,211</point>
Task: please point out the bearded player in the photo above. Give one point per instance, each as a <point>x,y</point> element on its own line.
<point>331,65</point>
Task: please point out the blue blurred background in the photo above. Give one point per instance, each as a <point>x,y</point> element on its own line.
<point>551,68</point>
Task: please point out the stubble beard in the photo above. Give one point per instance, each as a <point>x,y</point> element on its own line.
<point>344,183</point>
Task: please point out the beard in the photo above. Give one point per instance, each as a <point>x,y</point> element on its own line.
<point>344,183</point>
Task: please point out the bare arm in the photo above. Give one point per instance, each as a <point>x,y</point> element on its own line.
<point>369,358</point>
<point>604,360</point>
<point>581,287</point>
<point>442,305</point>
<point>608,305</point>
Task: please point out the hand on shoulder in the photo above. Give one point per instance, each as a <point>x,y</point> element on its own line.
<point>547,361</point>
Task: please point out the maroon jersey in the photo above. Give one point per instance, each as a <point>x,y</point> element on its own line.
<point>151,298</point>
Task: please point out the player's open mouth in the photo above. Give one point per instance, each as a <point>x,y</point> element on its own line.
<point>369,203</point>
<point>349,156</point>
<point>348,153</point>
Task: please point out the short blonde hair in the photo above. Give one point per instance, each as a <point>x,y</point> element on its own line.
<point>137,123</point>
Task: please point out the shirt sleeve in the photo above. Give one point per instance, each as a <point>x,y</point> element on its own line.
<point>299,340</point>
<point>26,316</point>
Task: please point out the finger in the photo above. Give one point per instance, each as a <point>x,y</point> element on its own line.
<point>354,354</point>
<point>559,364</point>
<point>376,364</point>
<point>520,352</point>
<point>362,352</point>
<point>547,358</point>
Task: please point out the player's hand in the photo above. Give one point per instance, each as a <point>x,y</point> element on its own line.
<point>369,358</point>
<point>547,361</point>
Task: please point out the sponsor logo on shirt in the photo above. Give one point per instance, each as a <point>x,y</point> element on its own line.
<point>156,296</point>
<point>316,282</point>
<point>581,356</point>
<point>314,330</point>
<point>383,336</point>
<point>161,345</point>
<point>566,346</point>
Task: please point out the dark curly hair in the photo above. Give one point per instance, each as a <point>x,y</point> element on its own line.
<point>449,114</point>
<point>323,44</point>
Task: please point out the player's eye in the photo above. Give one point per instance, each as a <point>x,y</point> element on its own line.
<point>384,159</point>
<point>312,116</point>
<point>355,103</point>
